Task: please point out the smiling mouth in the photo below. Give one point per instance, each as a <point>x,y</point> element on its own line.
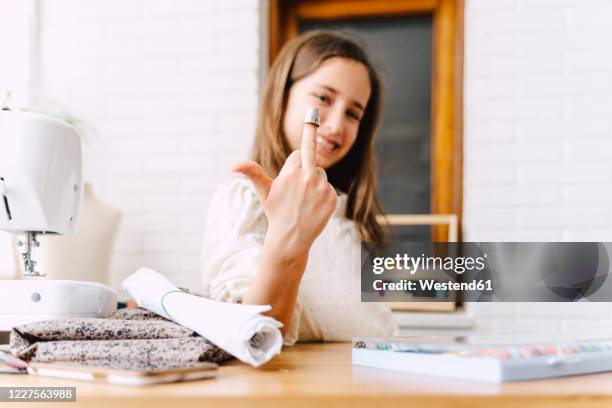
<point>326,145</point>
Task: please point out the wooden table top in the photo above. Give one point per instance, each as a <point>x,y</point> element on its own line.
<point>322,374</point>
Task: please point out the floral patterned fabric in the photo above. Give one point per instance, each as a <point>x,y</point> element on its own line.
<point>131,339</point>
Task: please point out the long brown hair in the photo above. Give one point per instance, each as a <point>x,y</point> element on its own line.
<point>354,174</point>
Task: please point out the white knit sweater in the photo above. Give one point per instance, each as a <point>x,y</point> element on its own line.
<point>328,307</point>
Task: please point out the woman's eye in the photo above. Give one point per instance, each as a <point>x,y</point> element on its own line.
<point>353,115</point>
<point>322,98</point>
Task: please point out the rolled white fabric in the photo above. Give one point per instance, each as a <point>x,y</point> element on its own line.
<point>239,329</point>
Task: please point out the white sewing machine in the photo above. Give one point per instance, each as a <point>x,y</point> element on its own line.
<point>40,193</point>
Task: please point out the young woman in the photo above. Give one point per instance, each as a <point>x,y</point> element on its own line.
<point>289,233</point>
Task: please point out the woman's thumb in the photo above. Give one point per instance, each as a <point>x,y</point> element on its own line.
<point>258,176</point>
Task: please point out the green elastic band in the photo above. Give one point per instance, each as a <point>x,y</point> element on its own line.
<point>162,301</point>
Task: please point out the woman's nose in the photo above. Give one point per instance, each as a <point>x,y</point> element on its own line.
<point>333,121</point>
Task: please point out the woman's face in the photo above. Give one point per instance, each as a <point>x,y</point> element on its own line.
<point>340,88</point>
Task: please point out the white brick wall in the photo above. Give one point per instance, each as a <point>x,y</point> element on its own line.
<point>171,88</point>
<point>538,138</point>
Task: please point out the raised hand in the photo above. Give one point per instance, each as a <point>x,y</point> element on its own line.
<point>300,201</point>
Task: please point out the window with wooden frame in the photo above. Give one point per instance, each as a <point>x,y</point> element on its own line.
<point>419,144</point>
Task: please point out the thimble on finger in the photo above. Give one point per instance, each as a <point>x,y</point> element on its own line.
<point>312,116</point>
